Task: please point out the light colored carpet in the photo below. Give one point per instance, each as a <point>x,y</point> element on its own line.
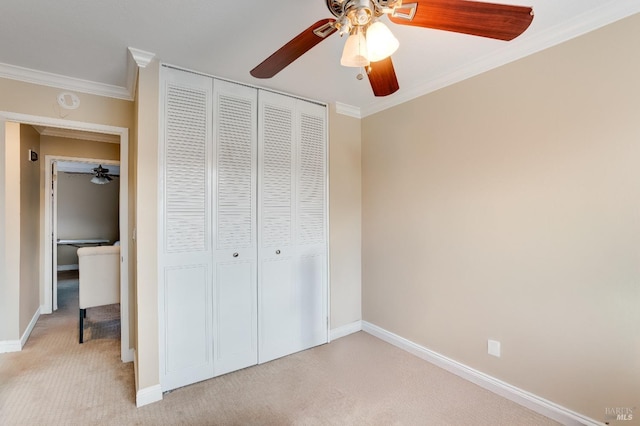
<point>356,380</point>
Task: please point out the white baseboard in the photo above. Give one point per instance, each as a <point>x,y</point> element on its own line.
<point>128,356</point>
<point>73,267</point>
<point>17,345</point>
<point>345,330</point>
<point>148,395</point>
<point>29,329</point>
<point>45,310</point>
<point>10,346</point>
<point>512,393</point>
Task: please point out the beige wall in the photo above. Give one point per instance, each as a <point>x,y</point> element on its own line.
<point>345,218</point>
<point>148,361</point>
<point>29,227</point>
<point>66,147</point>
<point>85,210</point>
<point>10,262</point>
<point>33,99</point>
<point>506,207</point>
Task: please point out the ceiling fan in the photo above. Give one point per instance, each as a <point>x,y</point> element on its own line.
<point>370,44</point>
<point>100,175</point>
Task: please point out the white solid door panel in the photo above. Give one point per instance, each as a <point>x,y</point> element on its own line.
<point>235,316</point>
<point>185,244</point>
<point>278,309</point>
<point>187,311</point>
<point>235,255</point>
<point>312,300</point>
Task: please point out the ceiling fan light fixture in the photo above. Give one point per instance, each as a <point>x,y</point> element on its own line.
<point>381,43</point>
<point>355,50</point>
<point>101,177</point>
<point>100,180</point>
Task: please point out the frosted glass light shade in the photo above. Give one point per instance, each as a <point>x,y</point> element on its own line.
<point>100,180</point>
<point>381,43</point>
<point>355,51</point>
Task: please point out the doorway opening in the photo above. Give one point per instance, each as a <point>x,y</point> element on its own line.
<point>46,284</point>
<point>81,212</point>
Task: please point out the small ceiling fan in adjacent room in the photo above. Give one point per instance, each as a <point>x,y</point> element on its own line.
<point>370,43</point>
<point>101,175</point>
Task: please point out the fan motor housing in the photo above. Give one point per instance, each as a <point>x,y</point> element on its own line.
<point>342,8</point>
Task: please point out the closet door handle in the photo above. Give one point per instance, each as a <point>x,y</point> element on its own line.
<point>277,251</point>
<point>235,254</point>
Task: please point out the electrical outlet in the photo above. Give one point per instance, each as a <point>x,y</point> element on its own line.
<point>493,348</point>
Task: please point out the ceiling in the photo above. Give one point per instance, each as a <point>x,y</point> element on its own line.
<point>87,41</point>
<point>86,168</point>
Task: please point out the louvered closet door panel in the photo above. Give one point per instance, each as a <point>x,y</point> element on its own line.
<point>235,294</point>
<point>185,245</point>
<point>311,223</point>
<point>279,329</point>
<point>292,248</point>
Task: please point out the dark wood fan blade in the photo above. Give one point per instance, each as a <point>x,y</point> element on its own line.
<point>294,49</point>
<point>498,21</point>
<point>383,77</point>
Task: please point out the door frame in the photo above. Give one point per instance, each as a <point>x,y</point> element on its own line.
<point>126,353</point>
<point>50,224</point>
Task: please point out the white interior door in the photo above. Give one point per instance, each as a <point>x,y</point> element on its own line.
<point>185,246</point>
<point>235,284</point>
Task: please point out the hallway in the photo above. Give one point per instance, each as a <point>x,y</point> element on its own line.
<point>56,378</point>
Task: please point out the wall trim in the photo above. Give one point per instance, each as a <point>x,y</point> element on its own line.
<point>128,356</point>
<point>148,395</point>
<point>142,57</point>
<point>17,345</point>
<point>349,110</point>
<point>10,346</point>
<point>29,329</point>
<point>345,330</point>
<point>533,402</point>
<point>43,78</point>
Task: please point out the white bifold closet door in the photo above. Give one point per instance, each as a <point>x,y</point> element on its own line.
<point>235,281</point>
<point>292,253</point>
<point>185,251</point>
<point>208,291</point>
<point>242,249</point>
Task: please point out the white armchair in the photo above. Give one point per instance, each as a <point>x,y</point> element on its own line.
<point>99,279</point>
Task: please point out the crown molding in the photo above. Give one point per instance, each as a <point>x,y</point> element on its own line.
<point>350,110</point>
<point>606,14</point>
<point>142,57</point>
<point>136,59</point>
<point>43,78</point>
